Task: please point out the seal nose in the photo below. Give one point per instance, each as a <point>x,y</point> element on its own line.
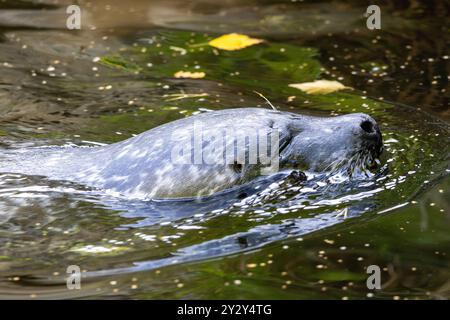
<point>371,132</point>
<point>368,126</point>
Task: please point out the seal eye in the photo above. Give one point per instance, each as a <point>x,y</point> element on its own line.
<point>367,126</point>
<point>237,167</point>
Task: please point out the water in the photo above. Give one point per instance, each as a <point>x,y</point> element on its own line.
<point>71,89</point>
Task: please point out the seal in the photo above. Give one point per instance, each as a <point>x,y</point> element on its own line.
<point>211,152</point>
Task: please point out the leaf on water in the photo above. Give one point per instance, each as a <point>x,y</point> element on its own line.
<point>233,41</point>
<point>190,75</point>
<point>319,86</point>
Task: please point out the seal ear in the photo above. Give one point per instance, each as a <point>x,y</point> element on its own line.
<point>284,147</point>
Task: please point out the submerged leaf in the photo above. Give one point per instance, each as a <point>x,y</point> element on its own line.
<point>178,96</point>
<point>233,41</point>
<point>188,74</point>
<point>319,86</point>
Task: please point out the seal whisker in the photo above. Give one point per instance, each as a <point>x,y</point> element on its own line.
<point>267,100</point>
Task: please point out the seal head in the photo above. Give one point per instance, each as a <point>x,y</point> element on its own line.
<point>327,144</point>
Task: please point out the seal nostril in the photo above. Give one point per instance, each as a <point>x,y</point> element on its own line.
<point>367,126</point>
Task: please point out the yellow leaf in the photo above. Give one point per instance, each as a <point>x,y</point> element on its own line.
<point>319,86</point>
<point>233,41</point>
<point>188,74</point>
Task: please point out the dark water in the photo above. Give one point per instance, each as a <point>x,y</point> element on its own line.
<point>115,79</point>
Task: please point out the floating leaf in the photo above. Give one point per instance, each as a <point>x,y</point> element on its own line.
<point>188,74</point>
<point>182,51</point>
<point>319,86</point>
<point>233,41</point>
<point>92,249</point>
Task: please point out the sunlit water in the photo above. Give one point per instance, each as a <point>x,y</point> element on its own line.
<point>286,239</point>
